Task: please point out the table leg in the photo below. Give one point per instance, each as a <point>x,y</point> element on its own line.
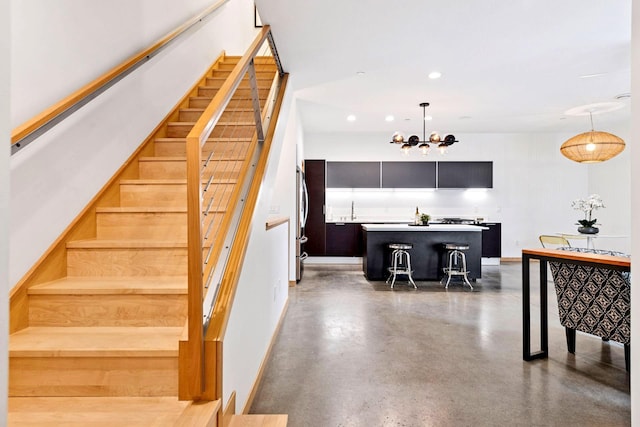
<point>526,311</point>
<point>544,325</point>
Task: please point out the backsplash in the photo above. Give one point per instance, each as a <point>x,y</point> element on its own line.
<point>400,205</point>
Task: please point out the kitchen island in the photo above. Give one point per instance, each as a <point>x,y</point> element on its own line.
<point>427,256</point>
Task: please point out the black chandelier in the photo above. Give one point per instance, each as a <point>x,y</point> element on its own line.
<point>424,144</point>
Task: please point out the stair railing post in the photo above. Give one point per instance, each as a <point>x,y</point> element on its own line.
<point>255,98</point>
<point>194,369</point>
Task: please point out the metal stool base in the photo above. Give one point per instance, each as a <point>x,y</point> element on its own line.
<point>450,270</point>
<point>401,264</point>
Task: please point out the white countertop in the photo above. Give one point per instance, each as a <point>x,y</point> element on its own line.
<point>430,227</point>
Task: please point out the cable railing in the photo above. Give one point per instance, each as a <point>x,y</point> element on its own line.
<point>224,151</point>
<point>37,126</point>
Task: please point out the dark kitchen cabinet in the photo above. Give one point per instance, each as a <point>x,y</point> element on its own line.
<point>315,231</point>
<point>465,174</point>
<point>408,174</point>
<point>344,239</point>
<point>492,240</point>
<point>353,174</point>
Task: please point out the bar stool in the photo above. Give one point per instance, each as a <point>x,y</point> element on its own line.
<point>400,262</point>
<point>456,262</point>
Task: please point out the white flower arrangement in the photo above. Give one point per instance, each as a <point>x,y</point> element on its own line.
<point>588,205</point>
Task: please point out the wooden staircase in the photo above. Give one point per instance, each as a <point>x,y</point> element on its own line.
<point>101,343</point>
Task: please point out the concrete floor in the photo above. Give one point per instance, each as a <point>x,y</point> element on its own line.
<point>355,353</point>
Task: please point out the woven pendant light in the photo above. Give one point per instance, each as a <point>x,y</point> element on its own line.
<point>592,147</point>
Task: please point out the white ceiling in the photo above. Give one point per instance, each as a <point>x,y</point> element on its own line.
<point>507,66</point>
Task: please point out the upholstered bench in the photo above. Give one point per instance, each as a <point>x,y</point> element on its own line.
<point>594,300</point>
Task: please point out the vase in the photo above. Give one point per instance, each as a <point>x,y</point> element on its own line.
<point>588,230</point>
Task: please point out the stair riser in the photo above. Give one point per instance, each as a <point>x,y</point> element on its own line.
<point>244,84</point>
<point>179,130</point>
<point>168,195</point>
<point>263,63</point>
<point>107,310</point>
<point>227,116</point>
<point>93,376</point>
<point>268,74</point>
<point>244,93</point>
<point>152,226</point>
<point>126,262</point>
<point>178,169</point>
<point>179,148</point>
<point>203,102</point>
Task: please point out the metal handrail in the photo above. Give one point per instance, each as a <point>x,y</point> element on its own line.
<point>32,129</point>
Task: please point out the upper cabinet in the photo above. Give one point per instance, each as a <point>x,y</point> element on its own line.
<point>353,174</point>
<point>465,174</point>
<point>408,174</point>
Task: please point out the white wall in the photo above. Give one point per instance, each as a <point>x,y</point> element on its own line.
<point>283,191</point>
<point>263,288</point>
<point>635,209</point>
<point>533,185</point>
<point>5,131</point>
<point>59,47</point>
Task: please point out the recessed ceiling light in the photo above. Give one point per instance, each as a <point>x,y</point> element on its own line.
<point>427,118</point>
<point>588,76</point>
<point>465,117</point>
<point>389,118</point>
<point>597,108</point>
<point>435,75</point>
<point>351,118</point>
<point>623,96</point>
<point>360,73</point>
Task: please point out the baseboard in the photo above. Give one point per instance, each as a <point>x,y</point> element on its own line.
<point>511,259</point>
<point>263,364</point>
<point>333,260</point>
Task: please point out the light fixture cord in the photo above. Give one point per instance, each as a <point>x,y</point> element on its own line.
<point>591,117</point>
<point>424,123</point>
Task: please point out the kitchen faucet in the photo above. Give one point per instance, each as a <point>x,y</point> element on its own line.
<point>353,212</point>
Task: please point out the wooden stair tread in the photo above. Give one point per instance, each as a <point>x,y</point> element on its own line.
<point>200,413</point>
<point>131,243</point>
<point>200,110</point>
<point>101,341</point>
<point>141,209</point>
<point>184,159</point>
<point>147,209</point>
<point>244,78</point>
<point>173,181</point>
<point>95,411</point>
<point>259,420</point>
<point>217,124</point>
<point>234,99</point>
<point>112,286</point>
<point>214,140</point>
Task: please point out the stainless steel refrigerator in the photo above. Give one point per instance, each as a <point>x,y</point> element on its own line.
<point>302,202</point>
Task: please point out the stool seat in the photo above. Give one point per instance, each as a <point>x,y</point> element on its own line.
<point>456,246</point>
<point>400,262</point>
<point>400,246</point>
<point>457,262</point>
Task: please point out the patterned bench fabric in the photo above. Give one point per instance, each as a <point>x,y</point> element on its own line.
<point>594,300</point>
